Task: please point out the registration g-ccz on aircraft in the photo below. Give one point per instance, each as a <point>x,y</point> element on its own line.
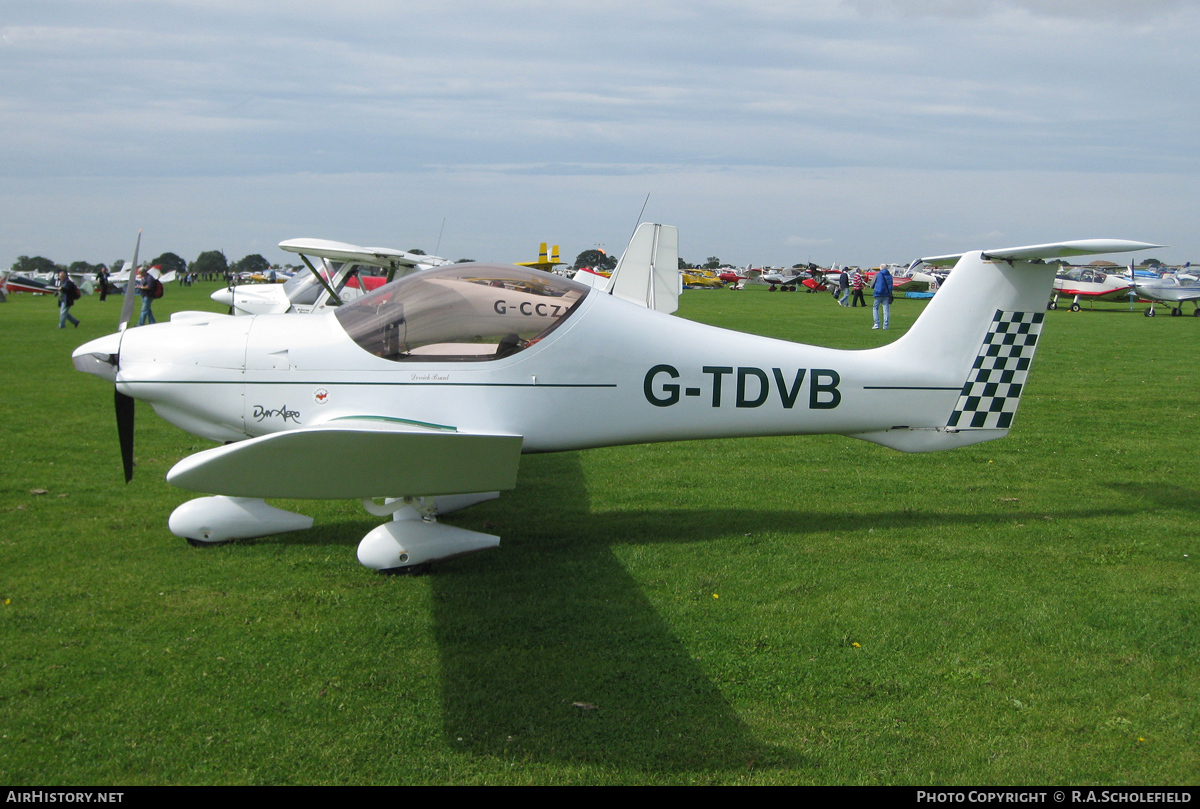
<point>427,390</point>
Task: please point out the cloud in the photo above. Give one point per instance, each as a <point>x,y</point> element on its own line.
<point>535,101</point>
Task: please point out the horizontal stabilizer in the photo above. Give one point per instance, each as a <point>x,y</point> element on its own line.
<point>354,458</point>
<point>375,256</point>
<point>1082,247</point>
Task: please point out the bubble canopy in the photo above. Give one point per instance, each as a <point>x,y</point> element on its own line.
<point>463,313</point>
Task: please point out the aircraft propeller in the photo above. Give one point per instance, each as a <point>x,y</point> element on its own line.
<point>124,404</point>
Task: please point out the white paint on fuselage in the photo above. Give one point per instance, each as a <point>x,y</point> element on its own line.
<point>599,366</point>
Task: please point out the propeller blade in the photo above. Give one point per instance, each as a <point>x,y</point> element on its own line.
<point>130,293</point>
<point>124,407</point>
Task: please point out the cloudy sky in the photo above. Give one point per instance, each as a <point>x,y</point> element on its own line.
<point>771,132</point>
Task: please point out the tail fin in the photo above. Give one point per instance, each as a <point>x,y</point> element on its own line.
<point>648,272</point>
<point>554,256</point>
<point>542,252</point>
<point>979,334</point>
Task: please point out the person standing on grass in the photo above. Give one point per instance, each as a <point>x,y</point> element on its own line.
<point>68,293</point>
<point>146,284</point>
<point>883,296</point>
<point>843,288</point>
<point>857,282</point>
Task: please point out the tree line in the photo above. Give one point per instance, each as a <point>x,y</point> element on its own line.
<point>209,264</point>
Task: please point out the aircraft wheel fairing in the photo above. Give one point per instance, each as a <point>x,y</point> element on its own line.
<point>214,520</point>
<point>405,543</point>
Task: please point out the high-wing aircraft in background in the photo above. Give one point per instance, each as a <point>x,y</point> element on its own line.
<point>428,390</point>
<point>338,280</point>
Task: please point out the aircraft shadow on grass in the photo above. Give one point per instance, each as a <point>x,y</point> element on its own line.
<point>583,631</point>
<point>1162,496</point>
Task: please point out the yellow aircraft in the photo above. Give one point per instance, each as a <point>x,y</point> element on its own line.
<point>701,279</point>
<point>543,263</point>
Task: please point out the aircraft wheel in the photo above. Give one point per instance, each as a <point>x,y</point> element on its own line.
<point>1074,307</point>
<point>1196,313</point>
<point>772,289</point>
<point>1177,312</point>
<point>410,570</point>
<point>199,543</point>
<point>1148,313</point>
<point>1052,306</point>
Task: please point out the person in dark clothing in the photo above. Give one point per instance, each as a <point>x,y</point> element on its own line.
<point>67,293</point>
<point>146,284</point>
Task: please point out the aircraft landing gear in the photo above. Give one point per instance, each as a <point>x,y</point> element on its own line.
<point>1149,312</point>
<point>1177,311</point>
<point>216,520</point>
<point>1197,312</point>
<point>1074,307</point>
<point>411,570</point>
<point>1052,305</point>
<point>200,543</point>
<point>414,537</point>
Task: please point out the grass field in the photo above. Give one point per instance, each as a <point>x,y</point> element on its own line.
<point>796,610</point>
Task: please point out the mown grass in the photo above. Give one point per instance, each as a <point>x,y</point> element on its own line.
<point>796,610</point>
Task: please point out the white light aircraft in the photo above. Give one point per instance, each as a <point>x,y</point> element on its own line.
<point>428,390</point>
<point>1172,291</point>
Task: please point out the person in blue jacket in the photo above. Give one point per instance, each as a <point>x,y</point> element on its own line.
<point>883,296</point>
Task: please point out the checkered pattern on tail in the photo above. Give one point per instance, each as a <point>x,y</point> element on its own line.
<point>989,398</point>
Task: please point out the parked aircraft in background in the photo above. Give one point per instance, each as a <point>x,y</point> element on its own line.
<point>1090,283</point>
<point>339,279</point>
<point>789,279</point>
<point>24,283</point>
<point>545,262</point>
<point>1173,291</point>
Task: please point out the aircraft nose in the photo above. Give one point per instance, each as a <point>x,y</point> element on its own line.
<point>99,357</point>
<point>223,296</point>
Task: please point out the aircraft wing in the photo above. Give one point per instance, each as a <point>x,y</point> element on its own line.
<point>375,256</point>
<point>1082,247</point>
<point>355,458</point>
